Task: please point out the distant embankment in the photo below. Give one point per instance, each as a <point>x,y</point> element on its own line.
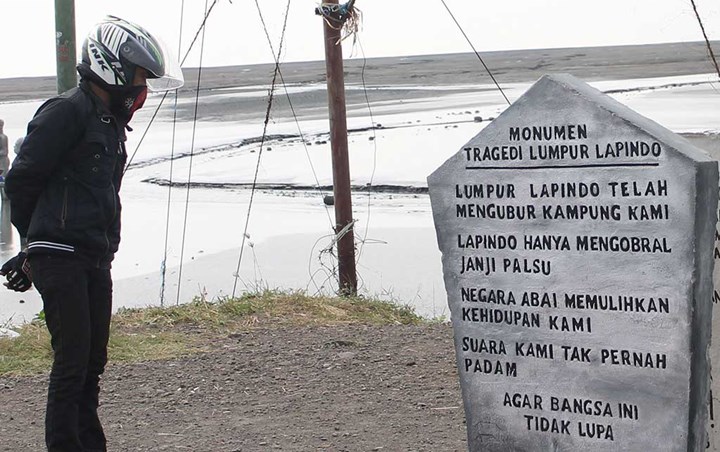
<point>380,188</point>
<point>587,63</point>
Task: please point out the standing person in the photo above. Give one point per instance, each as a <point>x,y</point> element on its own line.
<point>4,160</point>
<point>63,188</point>
<point>4,149</point>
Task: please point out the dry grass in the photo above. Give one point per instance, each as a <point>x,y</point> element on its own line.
<point>164,333</point>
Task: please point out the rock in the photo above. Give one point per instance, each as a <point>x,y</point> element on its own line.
<point>7,332</point>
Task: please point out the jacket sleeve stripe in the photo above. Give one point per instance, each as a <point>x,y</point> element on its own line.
<point>52,245</point>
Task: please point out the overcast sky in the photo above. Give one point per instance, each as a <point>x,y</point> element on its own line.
<point>390,27</point>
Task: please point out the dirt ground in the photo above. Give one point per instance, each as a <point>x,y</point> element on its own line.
<point>340,388</point>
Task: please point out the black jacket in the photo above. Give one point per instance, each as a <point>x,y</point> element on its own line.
<point>63,185</point>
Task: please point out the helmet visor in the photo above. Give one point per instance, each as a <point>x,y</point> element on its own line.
<point>173,77</point>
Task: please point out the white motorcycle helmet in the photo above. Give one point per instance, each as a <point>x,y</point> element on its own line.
<point>115,48</point>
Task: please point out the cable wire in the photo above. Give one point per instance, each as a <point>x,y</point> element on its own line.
<point>145,132</point>
<point>297,121</point>
<point>192,153</point>
<point>707,41</point>
<point>201,28</point>
<point>157,109</point>
<point>374,167</point>
<point>476,52</point>
<point>163,265</point>
<point>302,139</point>
<point>271,95</point>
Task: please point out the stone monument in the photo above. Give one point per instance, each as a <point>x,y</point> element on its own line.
<point>577,243</point>
<point>713,443</point>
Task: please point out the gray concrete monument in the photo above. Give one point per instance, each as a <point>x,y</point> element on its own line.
<point>713,428</point>
<point>577,243</point>
<point>714,406</point>
<point>710,142</point>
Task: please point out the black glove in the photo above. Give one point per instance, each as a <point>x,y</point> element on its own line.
<point>17,273</point>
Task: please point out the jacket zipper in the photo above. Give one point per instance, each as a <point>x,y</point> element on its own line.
<point>115,195</point>
<point>112,219</point>
<point>63,214</point>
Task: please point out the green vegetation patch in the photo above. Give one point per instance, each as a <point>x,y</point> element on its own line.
<point>30,353</point>
<point>271,307</point>
<point>156,333</point>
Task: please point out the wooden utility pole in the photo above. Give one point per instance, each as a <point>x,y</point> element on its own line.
<point>65,45</point>
<point>340,162</point>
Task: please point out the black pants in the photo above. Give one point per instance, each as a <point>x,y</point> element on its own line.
<point>77,299</point>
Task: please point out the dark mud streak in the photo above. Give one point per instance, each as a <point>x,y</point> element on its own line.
<point>404,189</point>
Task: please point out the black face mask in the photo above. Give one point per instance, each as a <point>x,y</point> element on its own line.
<point>124,103</point>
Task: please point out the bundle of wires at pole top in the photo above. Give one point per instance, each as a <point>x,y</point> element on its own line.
<point>343,16</point>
